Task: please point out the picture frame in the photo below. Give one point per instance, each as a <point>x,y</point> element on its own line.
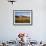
<point>22,17</point>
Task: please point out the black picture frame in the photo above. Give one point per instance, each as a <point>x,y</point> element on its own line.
<point>22,14</point>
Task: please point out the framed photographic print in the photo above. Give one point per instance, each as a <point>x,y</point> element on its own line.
<point>22,17</point>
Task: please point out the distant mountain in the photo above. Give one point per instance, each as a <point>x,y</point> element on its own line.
<point>21,16</point>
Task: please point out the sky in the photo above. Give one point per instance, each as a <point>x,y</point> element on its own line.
<point>22,13</point>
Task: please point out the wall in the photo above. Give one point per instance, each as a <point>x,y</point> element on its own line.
<point>37,31</point>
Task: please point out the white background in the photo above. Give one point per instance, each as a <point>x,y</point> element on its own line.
<point>8,31</point>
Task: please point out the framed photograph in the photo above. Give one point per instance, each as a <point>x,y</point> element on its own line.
<point>22,17</point>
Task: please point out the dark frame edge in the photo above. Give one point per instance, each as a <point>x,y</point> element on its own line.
<point>24,24</point>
